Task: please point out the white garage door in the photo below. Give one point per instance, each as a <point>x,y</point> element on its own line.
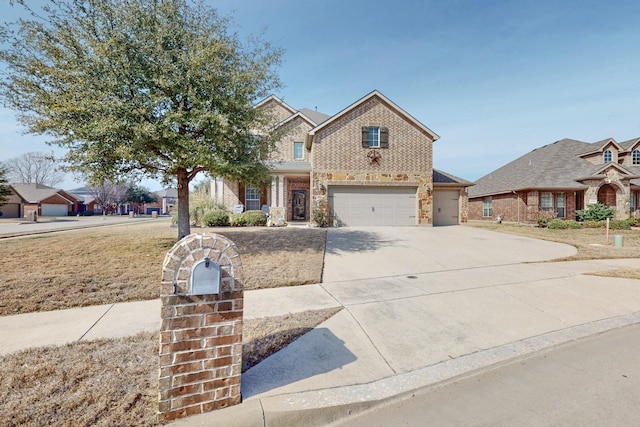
<point>446,209</point>
<point>366,206</point>
<point>54,210</point>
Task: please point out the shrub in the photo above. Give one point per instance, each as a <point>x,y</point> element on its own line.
<point>199,203</point>
<point>544,217</point>
<point>618,224</point>
<point>237,220</point>
<point>250,218</point>
<point>255,218</point>
<point>557,224</point>
<point>573,224</point>
<point>597,212</point>
<point>322,216</point>
<point>593,224</point>
<point>215,218</point>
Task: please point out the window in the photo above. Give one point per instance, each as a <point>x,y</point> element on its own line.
<point>632,203</point>
<point>546,201</point>
<point>560,205</point>
<point>252,198</point>
<point>607,157</point>
<point>375,137</point>
<point>298,153</point>
<point>487,207</point>
<point>635,157</point>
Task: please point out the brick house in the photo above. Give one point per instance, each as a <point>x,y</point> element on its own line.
<point>562,177</point>
<point>44,200</point>
<point>370,164</point>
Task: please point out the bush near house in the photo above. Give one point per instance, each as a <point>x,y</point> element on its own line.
<point>545,216</point>
<point>559,224</point>
<point>250,218</point>
<point>215,218</point>
<point>597,212</point>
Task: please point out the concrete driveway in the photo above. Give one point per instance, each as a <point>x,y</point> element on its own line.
<point>425,304</point>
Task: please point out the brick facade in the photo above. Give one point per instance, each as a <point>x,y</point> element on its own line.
<point>338,157</point>
<point>200,354</point>
<point>523,206</point>
<point>333,155</point>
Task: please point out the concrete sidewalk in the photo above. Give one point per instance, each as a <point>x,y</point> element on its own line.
<point>421,305</point>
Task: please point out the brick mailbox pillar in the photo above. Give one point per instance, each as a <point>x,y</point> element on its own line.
<point>201,332</point>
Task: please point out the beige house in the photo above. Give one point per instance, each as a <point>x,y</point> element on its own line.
<point>370,164</point>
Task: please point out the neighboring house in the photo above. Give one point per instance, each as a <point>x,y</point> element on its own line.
<point>44,200</point>
<point>13,206</point>
<point>167,200</point>
<point>88,201</point>
<point>562,177</point>
<point>370,164</point>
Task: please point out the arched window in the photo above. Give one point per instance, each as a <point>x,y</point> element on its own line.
<point>607,157</point>
<point>635,157</point>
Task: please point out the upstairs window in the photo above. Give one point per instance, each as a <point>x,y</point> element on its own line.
<point>375,137</point>
<point>635,157</point>
<point>607,156</point>
<point>298,153</point>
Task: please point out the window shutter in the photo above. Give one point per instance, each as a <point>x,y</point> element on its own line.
<point>384,137</point>
<point>242,196</point>
<point>365,137</point>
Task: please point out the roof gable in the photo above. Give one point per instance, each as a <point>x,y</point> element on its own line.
<point>601,146</point>
<point>275,99</point>
<point>361,101</point>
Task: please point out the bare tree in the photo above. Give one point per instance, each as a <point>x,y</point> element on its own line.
<point>109,196</point>
<point>34,168</point>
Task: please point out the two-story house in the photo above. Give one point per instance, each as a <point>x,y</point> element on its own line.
<point>370,164</point>
<point>562,177</point>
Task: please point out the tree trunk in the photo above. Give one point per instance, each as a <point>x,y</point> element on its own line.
<point>184,225</point>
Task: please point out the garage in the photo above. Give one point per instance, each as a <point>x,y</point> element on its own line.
<point>373,206</point>
<point>446,207</point>
<point>54,210</point>
<point>10,210</point>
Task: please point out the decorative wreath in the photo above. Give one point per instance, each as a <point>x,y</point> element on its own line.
<point>374,157</point>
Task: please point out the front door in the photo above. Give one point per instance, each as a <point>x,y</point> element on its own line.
<point>299,201</point>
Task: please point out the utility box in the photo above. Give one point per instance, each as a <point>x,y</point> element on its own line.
<point>618,240</point>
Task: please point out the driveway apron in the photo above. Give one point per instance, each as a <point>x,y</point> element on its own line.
<point>415,297</point>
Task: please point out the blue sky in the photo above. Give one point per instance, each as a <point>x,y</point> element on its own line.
<point>495,79</point>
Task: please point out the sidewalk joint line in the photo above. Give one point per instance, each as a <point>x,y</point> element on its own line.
<point>96,322</point>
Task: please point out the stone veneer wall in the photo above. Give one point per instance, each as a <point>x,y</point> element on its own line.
<point>201,335</point>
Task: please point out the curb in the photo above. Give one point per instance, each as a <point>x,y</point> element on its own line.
<point>326,406</point>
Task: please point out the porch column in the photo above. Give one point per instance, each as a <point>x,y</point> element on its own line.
<point>274,195</point>
<point>280,191</point>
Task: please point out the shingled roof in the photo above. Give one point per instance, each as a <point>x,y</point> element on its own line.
<point>557,166</point>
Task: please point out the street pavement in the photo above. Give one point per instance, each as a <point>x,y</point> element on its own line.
<point>590,382</point>
<point>421,305</point>
<point>10,228</point>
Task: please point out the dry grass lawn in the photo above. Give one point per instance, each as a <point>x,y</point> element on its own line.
<point>590,242</point>
<point>123,263</point>
<point>114,382</point>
